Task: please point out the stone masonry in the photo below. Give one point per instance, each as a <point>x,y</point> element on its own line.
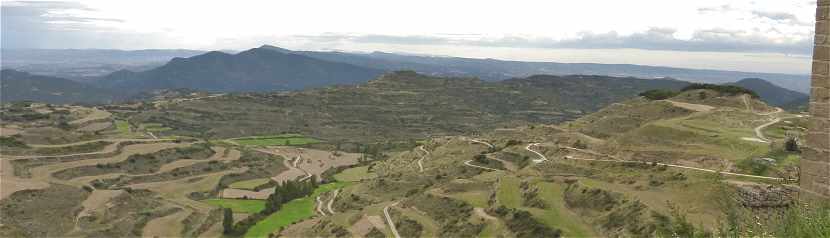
<point>815,162</point>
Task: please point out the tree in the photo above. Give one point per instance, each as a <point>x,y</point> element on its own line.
<point>227,222</point>
<point>791,144</point>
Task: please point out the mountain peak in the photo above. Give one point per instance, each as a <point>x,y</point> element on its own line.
<point>274,48</point>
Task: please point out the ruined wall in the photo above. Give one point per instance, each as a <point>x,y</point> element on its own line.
<point>815,162</point>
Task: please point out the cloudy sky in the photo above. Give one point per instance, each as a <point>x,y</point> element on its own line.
<point>747,35</point>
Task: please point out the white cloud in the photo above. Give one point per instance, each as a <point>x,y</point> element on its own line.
<point>675,25</point>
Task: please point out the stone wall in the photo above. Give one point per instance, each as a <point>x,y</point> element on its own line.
<point>815,162</point>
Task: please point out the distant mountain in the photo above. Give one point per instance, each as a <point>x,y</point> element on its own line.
<point>83,64</point>
<point>493,70</point>
<point>775,95</point>
<point>258,69</point>
<point>22,86</point>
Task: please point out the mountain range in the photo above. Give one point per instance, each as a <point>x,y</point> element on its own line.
<point>269,68</point>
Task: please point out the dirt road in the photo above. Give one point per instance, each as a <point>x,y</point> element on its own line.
<point>389,220</point>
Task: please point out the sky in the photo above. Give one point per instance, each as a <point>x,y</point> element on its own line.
<point>748,35</point>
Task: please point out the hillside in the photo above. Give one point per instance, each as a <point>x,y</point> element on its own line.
<point>775,95</point>
<point>403,105</point>
<point>256,69</point>
<point>21,86</point>
<point>431,157</point>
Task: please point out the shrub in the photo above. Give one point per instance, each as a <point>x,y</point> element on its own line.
<point>723,89</point>
<point>658,94</point>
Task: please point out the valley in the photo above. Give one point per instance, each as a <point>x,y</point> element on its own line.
<point>393,158</point>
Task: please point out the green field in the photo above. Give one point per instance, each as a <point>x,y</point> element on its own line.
<point>284,139</point>
<point>123,127</point>
<point>293,211</point>
<point>557,215</point>
<point>238,205</point>
<point>509,193</point>
<point>249,184</point>
<point>355,174</point>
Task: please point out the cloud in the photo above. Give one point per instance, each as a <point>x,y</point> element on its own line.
<point>708,40</point>
<point>717,9</point>
<point>38,24</point>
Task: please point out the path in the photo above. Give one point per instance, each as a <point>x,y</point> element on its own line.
<point>320,207</point>
<point>331,202</point>
<point>759,129</point>
<point>543,158</point>
<point>307,174</point>
<point>420,161</point>
<point>468,163</point>
<point>484,143</point>
<point>568,157</point>
<point>483,214</point>
<point>108,149</point>
<point>389,220</point>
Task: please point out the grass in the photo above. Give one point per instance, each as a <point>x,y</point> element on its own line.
<point>155,127</point>
<point>293,211</point>
<point>249,184</point>
<point>474,198</point>
<point>509,193</point>
<point>284,139</point>
<point>557,215</point>
<point>355,174</point>
<point>123,127</point>
<point>238,205</point>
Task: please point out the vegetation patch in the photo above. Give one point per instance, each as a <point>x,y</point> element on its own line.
<point>355,174</point>
<point>140,163</point>
<point>238,205</point>
<point>290,212</point>
<point>251,184</point>
<point>48,212</point>
<point>284,139</point>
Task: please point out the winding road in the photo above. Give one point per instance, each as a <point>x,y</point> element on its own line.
<point>568,157</point>
<point>541,156</point>
<point>320,207</point>
<point>469,163</point>
<point>420,161</point>
<point>389,220</point>
<point>336,191</point>
<point>483,142</point>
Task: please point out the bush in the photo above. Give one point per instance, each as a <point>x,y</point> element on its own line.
<point>723,89</point>
<point>658,94</point>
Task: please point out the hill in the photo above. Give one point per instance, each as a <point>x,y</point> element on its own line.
<point>401,105</point>
<point>775,95</point>
<point>22,86</point>
<point>257,69</point>
<point>494,70</point>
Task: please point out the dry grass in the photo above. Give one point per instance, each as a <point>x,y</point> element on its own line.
<point>10,184</point>
<point>167,226</point>
<point>91,114</point>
